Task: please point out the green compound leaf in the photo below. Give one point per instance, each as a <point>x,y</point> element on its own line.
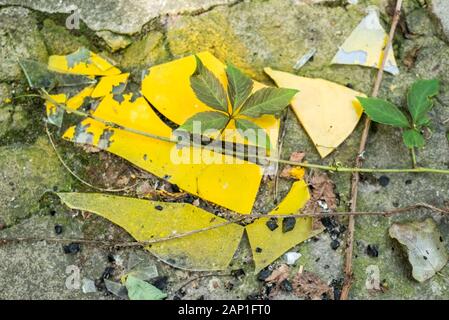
<point>413,139</point>
<point>419,99</point>
<point>253,133</point>
<point>384,112</point>
<point>209,120</point>
<point>239,86</point>
<point>267,101</point>
<point>208,88</point>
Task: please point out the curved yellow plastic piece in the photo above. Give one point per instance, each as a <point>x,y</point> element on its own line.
<point>266,235</point>
<point>365,46</point>
<point>192,169</point>
<point>329,112</point>
<point>77,100</point>
<point>83,62</point>
<point>167,87</point>
<point>108,83</point>
<point>151,220</point>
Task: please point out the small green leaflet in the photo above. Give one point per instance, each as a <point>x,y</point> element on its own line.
<point>239,86</point>
<point>208,88</point>
<point>384,112</point>
<point>267,101</point>
<point>209,120</point>
<point>413,139</point>
<point>254,133</point>
<point>141,290</point>
<point>419,99</point>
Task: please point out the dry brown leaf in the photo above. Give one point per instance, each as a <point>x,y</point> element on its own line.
<point>323,197</point>
<point>279,275</point>
<point>308,285</point>
<point>410,57</point>
<point>297,156</point>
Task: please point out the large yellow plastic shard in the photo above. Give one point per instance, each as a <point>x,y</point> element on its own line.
<point>211,176</point>
<point>328,111</point>
<point>82,62</point>
<point>150,220</point>
<point>365,46</point>
<point>167,87</point>
<point>270,237</point>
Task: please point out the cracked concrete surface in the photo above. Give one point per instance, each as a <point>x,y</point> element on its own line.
<point>123,16</point>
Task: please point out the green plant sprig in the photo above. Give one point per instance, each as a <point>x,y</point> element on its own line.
<point>419,103</point>
<point>238,103</point>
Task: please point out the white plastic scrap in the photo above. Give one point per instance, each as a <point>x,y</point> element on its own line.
<point>292,257</point>
<point>365,45</point>
<point>304,59</point>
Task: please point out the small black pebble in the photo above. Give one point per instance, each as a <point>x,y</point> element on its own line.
<point>335,244</point>
<point>288,224</point>
<point>258,250</point>
<point>52,212</point>
<point>160,208</point>
<point>424,257</point>
<point>265,273</point>
<point>272,224</point>
<point>372,251</point>
<point>384,181</point>
<point>409,181</point>
<point>107,273</point>
<point>58,229</point>
<point>238,273</point>
<point>160,282</point>
<point>286,286</point>
<point>111,258</point>
<point>72,248</point>
<point>175,188</point>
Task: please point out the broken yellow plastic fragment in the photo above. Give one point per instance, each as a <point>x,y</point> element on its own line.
<point>271,237</point>
<point>55,114</point>
<point>150,220</point>
<point>110,84</point>
<point>79,99</point>
<point>328,111</point>
<point>82,62</point>
<point>210,175</point>
<point>167,87</point>
<point>366,44</point>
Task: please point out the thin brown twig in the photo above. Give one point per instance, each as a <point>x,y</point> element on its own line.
<point>241,218</point>
<point>359,159</point>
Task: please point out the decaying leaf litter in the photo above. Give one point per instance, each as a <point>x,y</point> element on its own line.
<point>103,143</point>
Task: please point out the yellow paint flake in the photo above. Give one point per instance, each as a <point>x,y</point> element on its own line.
<point>268,236</point>
<point>329,112</point>
<point>366,44</point>
<point>151,220</point>
<point>83,62</point>
<point>108,84</point>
